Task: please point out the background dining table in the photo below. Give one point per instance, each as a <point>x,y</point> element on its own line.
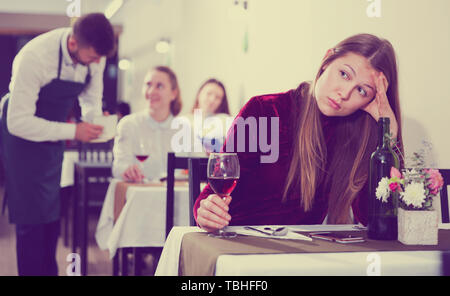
<point>142,220</point>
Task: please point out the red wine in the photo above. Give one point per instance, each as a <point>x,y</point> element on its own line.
<point>222,186</point>
<point>141,158</point>
<point>382,216</point>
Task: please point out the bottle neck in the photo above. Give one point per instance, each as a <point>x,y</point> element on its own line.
<point>383,133</point>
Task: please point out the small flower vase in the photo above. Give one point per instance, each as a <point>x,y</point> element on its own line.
<point>418,227</point>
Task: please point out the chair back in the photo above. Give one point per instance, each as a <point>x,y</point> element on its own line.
<point>197,173</point>
<point>444,195</point>
<point>96,152</point>
<point>173,162</point>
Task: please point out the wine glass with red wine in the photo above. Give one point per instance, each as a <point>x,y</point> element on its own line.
<point>223,174</point>
<point>141,153</point>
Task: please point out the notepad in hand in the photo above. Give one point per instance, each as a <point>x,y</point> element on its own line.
<point>109,124</point>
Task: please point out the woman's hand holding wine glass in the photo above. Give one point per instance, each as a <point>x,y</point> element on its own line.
<point>212,214</point>
<point>133,174</point>
<point>141,151</point>
<point>223,174</point>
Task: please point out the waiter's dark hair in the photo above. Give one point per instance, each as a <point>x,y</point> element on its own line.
<point>95,30</point>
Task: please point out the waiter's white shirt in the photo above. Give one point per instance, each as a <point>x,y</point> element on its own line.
<point>35,66</point>
<point>141,125</point>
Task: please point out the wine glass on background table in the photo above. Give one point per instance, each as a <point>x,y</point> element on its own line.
<point>141,152</point>
<point>223,174</point>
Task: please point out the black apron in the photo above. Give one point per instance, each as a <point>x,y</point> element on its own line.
<point>33,169</point>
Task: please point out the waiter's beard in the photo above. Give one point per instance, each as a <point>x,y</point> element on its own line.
<point>76,58</point>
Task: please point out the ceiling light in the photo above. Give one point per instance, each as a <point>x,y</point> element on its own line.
<point>112,8</point>
<point>162,46</point>
<point>124,64</point>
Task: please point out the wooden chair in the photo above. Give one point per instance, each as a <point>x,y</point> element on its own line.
<point>93,153</point>
<point>445,217</point>
<point>196,166</point>
<point>444,195</point>
<point>173,163</point>
<point>91,177</point>
<point>197,174</point>
<point>96,152</point>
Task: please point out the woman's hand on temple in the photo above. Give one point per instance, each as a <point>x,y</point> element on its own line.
<point>380,106</point>
<point>213,213</point>
<point>133,174</point>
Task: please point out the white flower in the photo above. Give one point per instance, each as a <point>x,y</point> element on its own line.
<point>414,194</point>
<point>383,192</point>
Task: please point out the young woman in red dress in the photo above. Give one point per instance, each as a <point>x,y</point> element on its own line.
<point>327,132</point>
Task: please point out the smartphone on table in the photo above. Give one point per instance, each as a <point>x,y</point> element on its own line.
<point>337,237</point>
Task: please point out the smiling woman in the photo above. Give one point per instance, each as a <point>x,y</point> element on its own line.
<point>149,129</point>
<point>162,92</point>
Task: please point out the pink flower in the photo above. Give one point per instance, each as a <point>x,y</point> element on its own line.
<point>435,179</point>
<point>395,173</point>
<point>394,186</point>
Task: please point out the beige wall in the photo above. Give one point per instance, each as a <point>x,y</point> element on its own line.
<point>144,23</point>
<point>287,40</point>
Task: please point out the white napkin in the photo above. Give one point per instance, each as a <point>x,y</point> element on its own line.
<point>290,235</point>
<point>109,124</point>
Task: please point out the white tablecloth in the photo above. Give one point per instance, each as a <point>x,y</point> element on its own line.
<point>169,260</point>
<point>332,264</point>
<point>142,222</point>
<point>353,263</point>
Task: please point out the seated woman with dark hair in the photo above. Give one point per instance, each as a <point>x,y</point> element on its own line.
<point>211,104</point>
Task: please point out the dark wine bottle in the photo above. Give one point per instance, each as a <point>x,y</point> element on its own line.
<point>382,216</point>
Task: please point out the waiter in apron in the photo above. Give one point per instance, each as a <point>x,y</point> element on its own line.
<point>49,74</point>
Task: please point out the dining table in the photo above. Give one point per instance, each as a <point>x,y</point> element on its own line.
<point>190,251</point>
<point>72,156</point>
<point>134,215</point>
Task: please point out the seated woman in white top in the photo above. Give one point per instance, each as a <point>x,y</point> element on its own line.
<point>212,104</point>
<point>146,135</point>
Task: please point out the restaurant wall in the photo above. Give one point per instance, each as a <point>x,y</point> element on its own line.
<point>275,45</point>
<point>144,23</point>
<point>54,7</point>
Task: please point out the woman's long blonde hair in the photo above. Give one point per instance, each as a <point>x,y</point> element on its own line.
<point>342,173</point>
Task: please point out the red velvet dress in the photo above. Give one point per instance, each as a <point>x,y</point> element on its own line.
<point>257,198</point>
